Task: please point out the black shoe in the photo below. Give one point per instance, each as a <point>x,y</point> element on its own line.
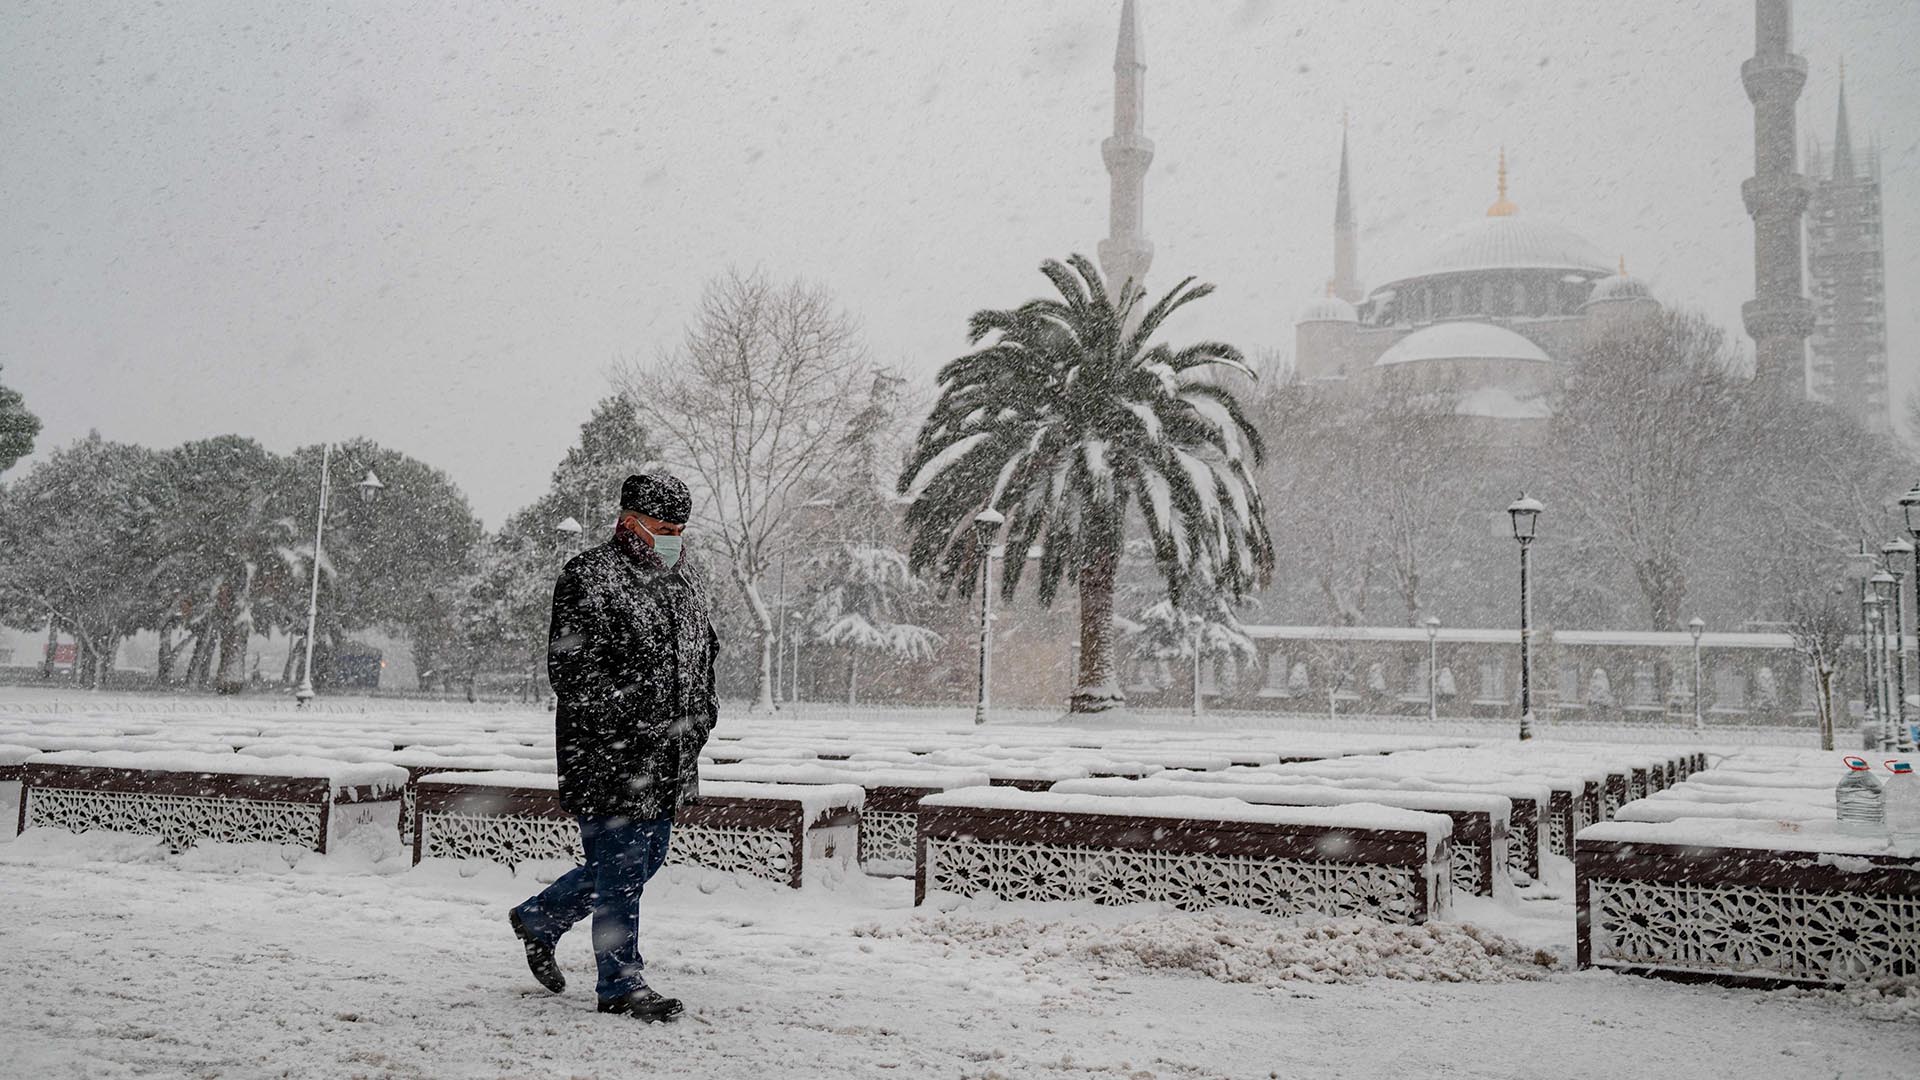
<point>539,957</point>
<point>644,1004</point>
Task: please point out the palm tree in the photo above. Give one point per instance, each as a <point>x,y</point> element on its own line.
<point>1064,420</point>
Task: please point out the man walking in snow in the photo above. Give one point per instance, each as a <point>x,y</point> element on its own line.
<point>631,656</point>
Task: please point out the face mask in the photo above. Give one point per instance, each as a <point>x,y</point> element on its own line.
<point>667,547</point>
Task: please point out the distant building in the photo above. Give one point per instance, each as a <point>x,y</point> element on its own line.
<point>1846,265</point>
<point>1494,313</point>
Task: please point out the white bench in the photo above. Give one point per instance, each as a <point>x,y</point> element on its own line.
<point>1480,822</point>
<point>1191,852</point>
<point>185,797</point>
<point>769,831</point>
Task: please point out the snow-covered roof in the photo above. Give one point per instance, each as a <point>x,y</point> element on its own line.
<point>1620,288</point>
<point>1462,341</point>
<point>1327,309</point>
<point>1499,403</point>
<point>1516,242</point>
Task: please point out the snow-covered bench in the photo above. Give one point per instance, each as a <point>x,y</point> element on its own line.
<point>11,760</point>
<point>889,819</point>
<point>1191,852</point>
<point>1529,802</point>
<point>770,831</point>
<point>1480,822</point>
<point>182,797</point>
<point>1732,899</point>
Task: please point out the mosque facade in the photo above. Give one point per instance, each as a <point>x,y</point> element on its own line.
<point>1494,313</point>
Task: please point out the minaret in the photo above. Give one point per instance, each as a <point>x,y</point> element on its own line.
<point>1126,253</point>
<point>1846,271</point>
<point>1843,134</point>
<point>1779,316</point>
<point>1346,243</point>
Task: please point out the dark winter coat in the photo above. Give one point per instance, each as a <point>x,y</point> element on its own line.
<point>631,656</point>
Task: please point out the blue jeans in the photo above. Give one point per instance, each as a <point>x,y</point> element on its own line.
<point>621,855</point>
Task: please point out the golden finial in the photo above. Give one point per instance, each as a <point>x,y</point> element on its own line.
<point>1843,70</point>
<point>1343,108</point>
<point>1623,266</point>
<point>1502,207</point>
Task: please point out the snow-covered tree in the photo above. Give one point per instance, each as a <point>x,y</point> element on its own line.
<point>17,428</point>
<point>1069,416</point>
<point>226,553</point>
<point>860,604</point>
<point>76,538</point>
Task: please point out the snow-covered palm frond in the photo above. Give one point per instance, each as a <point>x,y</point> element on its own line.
<point>1163,631</point>
<point>1065,414</point>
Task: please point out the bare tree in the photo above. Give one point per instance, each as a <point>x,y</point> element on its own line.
<point>1814,604</point>
<point>749,408</point>
<point>1649,417</point>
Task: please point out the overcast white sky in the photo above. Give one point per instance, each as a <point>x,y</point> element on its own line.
<point>437,225</point>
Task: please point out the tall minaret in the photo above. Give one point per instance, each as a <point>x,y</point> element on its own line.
<point>1126,253</point>
<point>1846,277</point>
<point>1346,243</point>
<point>1779,316</point>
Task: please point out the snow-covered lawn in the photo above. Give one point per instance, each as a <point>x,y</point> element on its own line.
<point>228,961</point>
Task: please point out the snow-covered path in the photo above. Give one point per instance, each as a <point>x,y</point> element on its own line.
<point>226,962</point>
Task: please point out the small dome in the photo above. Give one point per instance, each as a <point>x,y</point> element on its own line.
<point>1620,288</point>
<point>1327,309</point>
<point>1462,341</point>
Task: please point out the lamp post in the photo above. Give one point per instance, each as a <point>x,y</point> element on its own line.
<point>1696,628</point>
<point>370,489</point>
<point>1894,554</point>
<point>1876,707</point>
<point>1525,513</point>
<point>1886,589</point>
<point>1433,669</point>
<point>1910,509</point>
<point>985,524</point>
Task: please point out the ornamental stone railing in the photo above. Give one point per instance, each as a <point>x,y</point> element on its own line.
<point>889,818</point>
<point>1747,902</point>
<point>1480,822</point>
<point>769,831</point>
<point>183,798</point>
<point>1193,853</point>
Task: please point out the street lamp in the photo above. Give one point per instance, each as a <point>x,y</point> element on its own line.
<point>1885,588</point>
<point>570,528</point>
<point>1896,552</point>
<point>1870,605</point>
<point>370,489</point>
<point>1526,517</point>
<point>985,524</point>
<point>1433,669</point>
<point>1696,628</point>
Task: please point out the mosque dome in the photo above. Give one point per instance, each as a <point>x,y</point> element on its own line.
<point>1462,341</point>
<point>1620,288</point>
<point>1506,240</point>
<point>1509,243</point>
<point>1327,309</point>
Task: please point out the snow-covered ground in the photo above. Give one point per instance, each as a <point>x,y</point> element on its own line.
<point>252,960</point>
<point>228,961</point>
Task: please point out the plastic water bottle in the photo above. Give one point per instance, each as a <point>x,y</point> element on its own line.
<point>1903,802</point>
<point>1859,803</point>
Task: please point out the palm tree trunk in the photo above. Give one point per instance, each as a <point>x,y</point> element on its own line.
<point>1099,688</point>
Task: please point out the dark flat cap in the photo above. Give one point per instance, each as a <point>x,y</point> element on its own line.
<point>658,496</point>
